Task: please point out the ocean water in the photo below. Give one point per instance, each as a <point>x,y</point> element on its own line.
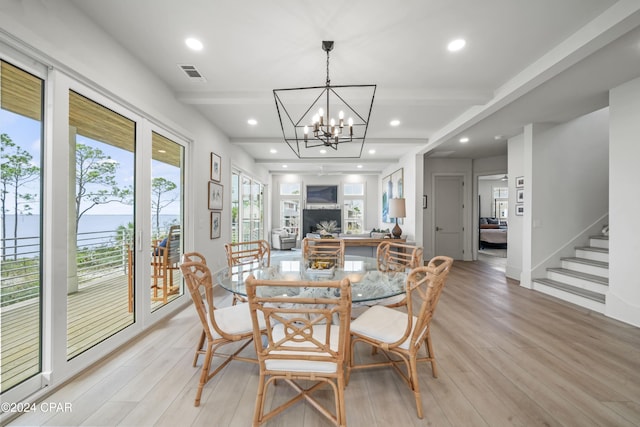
<point>29,228</point>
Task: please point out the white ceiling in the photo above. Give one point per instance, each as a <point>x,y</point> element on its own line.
<point>525,61</point>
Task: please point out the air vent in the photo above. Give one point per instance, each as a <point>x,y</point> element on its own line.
<point>192,73</point>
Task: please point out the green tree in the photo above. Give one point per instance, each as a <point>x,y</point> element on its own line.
<point>16,170</point>
<point>160,199</point>
<point>96,181</point>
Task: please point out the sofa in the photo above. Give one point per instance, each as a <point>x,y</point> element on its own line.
<point>282,239</point>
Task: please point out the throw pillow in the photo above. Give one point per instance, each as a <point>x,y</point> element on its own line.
<point>162,244</point>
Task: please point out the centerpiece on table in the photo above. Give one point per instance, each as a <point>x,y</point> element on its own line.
<point>321,267</point>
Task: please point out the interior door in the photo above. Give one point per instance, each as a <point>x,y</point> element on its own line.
<point>448,208</point>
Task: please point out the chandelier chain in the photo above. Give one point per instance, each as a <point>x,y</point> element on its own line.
<point>328,81</point>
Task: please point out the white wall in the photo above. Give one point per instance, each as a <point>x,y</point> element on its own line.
<point>569,186</point>
<point>623,299</point>
<point>515,155</point>
<point>412,193</point>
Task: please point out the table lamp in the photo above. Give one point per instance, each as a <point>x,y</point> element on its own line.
<point>397,210</point>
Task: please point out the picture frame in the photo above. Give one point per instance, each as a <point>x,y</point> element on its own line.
<point>215,224</point>
<point>519,209</point>
<point>392,187</point>
<point>215,196</point>
<point>216,167</point>
<point>520,195</point>
<point>520,182</point>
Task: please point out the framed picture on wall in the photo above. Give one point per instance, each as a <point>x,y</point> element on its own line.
<point>215,196</point>
<point>392,188</point>
<point>520,195</point>
<point>520,182</point>
<point>520,210</point>
<point>216,168</point>
<point>216,218</point>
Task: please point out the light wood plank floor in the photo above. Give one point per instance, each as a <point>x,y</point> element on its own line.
<point>507,356</point>
<point>97,311</point>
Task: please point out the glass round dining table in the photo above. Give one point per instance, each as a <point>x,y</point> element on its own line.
<point>368,285</point>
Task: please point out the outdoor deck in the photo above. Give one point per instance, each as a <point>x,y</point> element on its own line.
<point>97,311</point>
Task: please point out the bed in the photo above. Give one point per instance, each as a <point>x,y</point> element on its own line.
<point>493,234</point>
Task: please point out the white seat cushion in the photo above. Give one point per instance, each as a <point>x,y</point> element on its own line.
<point>382,324</point>
<point>304,365</point>
<point>235,319</point>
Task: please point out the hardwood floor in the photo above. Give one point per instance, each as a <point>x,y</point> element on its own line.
<point>506,355</point>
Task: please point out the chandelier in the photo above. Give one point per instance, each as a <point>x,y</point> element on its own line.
<point>315,119</point>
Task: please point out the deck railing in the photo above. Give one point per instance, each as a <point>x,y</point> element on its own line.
<point>99,253</point>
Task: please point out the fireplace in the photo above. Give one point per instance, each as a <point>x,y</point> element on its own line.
<point>311,217</point>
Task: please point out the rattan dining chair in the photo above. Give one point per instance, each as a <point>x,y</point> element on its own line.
<point>221,326</point>
<point>331,250</point>
<point>397,257</point>
<point>302,341</point>
<point>244,253</point>
<point>197,257</point>
<point>399,334</point>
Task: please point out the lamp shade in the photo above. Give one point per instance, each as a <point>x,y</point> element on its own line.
<point>397,208</point>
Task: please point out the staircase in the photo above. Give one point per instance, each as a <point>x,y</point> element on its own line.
<point>582,279</point>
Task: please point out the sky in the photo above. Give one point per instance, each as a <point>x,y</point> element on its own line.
<point>26,132</point>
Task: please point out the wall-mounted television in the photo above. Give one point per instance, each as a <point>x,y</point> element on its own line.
<point>327,194</point>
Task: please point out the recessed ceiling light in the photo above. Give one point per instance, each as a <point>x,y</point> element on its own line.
<point>252,122</point>
<point>193,44</point>
<point>273,151</point>
<point>359,166</point>
<point>162,151</point>
<point>464,139</point>
<point>498,137</point>
<point>395,122</point>
<point>456,45</point>
<point>372,151</point>
<point>323,151</point>
<point>285,166</point>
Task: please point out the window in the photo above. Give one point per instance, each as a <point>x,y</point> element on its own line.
<point>247,208</point>
<point>290,193</point>
<point>353,208</point>
<point>500,192</point>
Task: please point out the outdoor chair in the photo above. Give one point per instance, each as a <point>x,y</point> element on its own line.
<point>165,257</point>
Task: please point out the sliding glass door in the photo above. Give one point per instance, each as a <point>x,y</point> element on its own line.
<point>102,223</point>
<point>21,131</point>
